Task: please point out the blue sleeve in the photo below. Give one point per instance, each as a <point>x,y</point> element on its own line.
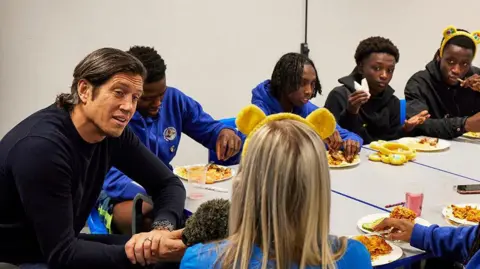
<point>118,186</point>
<point>347,135</point>
<point>261,105</point>
<point>449,242</point>
<point>199,125</point>
<point>356,256</point>
<point>344,134</point>
<point>199,256</point>
<point>234,160</point>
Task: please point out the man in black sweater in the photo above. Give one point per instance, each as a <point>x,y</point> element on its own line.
<point>52,167</point>
<point>449,88</point>
<point>374,115</point>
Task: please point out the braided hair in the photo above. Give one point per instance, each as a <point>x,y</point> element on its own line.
<point>152,61</point>
<point>288,72</point>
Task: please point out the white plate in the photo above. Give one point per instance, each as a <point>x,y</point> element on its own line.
<point>396,254</point>
<point>373,217</point>
<point>412,142</point>
<point>176,172</point>
<point>448,213</point>
<point>355,162</point>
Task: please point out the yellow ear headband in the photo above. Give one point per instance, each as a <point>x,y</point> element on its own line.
<point>252,118</point>
<point>451,32</point>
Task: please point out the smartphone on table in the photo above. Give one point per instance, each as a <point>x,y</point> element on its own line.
<point>469,189</point>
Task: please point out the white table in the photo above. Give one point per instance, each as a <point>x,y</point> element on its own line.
<point>460,159</point>
<point>367,188</point>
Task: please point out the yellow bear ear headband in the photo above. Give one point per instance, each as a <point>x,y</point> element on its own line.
<point>451,32</point>
<point>252,118</point>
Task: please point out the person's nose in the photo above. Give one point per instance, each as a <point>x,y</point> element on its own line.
<point>128,105</point>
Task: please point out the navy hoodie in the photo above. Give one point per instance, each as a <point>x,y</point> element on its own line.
<point>378,119</point>
<point>178,113</point>
<point>262,98</point>
<point>447,242</point>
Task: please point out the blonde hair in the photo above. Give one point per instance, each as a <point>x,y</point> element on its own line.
<point>281,200</point>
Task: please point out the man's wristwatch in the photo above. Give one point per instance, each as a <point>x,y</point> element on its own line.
<point>163,225</point>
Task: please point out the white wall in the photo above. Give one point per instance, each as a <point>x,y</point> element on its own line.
<point>216,50</point>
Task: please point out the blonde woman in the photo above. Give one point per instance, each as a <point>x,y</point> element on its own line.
<point>280,212</point>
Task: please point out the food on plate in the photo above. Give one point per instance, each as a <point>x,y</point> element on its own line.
<point>401,212</point>
<point>472,134</point>
<point>428,141</point>
<point>469,213</point>
<point>375,244</point>
<point>337,158</point>
<point>214,172</point>
<point>370,225</point>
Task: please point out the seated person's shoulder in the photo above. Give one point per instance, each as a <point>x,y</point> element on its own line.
<point>475,70</point>
<point>205,255</point>
<point>419,75</point>
<point>340,91</point>
<point>45,130</point>
<point>176,94</point>
<point>356,254</point>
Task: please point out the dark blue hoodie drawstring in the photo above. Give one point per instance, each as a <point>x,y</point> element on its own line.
<point>147,132</point>
<point>156,138</point>
<point>147,142</point>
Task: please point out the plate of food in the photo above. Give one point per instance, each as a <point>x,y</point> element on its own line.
<point>381,251</point>
<point>215,173</point>
<point>463,214</point>
<point>473,135</point>
<point>424,143</point>
<point>337,160</point>
<point>367,223</point>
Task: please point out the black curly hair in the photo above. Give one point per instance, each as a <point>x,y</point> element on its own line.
<point>152,61</point>
<point>375,44</point>
<point>461,41</point>
<point>288,72</point>
<point>208,223</point>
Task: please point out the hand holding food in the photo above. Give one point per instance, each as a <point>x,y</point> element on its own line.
<point>403,228</point>
<point>356,100</point>
<point>473,123</point>
<point>351,149</point>
<point>334,142</point>
<point>472,82</point>
<point>228,144</point>
<point>418,119</point>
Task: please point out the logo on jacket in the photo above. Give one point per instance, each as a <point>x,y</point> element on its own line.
<point>170,133</point>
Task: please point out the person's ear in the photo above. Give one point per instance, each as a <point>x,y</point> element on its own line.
<point>437,56</point>
<point>84,89</point>
<point>360,68</point>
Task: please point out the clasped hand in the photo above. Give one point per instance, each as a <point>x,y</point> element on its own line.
<point>154,246</point>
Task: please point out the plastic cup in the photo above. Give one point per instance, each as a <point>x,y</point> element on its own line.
<point>414,198</point>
